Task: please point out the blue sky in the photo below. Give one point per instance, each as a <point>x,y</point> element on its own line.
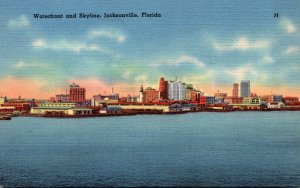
<point>210,44</point>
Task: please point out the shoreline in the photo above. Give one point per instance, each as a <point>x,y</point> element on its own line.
<point>134,113</point>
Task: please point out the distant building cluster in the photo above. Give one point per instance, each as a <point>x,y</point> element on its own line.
<point>171,96</point>
<point>76,94</point>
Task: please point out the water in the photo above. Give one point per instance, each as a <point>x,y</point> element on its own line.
<point>195,149</point>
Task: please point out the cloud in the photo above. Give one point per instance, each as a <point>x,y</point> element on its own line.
<point>126,74</point>
<point>86,44</point>
<point>197,78</point>
<point>292,50</point>
<point>141,78</point>
<point>22,64</point>
<point>19,23</point>
<point>107,33</point>
<point>267,59</point>
<point>242,44</point>
<point>288,25</point>
<point>96,86</point>
<point>241,72</point>
<point>183,59</point>
<point>39,43</point>
<point>68,46</point>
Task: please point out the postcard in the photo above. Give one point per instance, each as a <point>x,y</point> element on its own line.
<point>149,93</point>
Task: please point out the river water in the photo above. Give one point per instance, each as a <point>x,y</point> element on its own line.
<point>194,149</point>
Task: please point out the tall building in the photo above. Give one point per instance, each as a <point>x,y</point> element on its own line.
<point>76,93</point>
<point>176,90</point>
<point>245,88</point>
<point>163,88</point>
<point>235,90</point>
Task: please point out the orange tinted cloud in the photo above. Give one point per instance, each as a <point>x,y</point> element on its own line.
<point>94,86</point>
<point>13,87</point>
<point>282,90</point>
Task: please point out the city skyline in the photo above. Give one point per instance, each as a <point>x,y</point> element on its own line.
<point>199,42</point>
<point>172,90</point>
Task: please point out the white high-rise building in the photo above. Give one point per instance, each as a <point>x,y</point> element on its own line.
<point>176,90</point>
<point>245,88</point>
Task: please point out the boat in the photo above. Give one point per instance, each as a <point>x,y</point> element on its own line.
<point>5,118</point>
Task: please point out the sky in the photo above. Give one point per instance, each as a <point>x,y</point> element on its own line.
<point>210,44</point>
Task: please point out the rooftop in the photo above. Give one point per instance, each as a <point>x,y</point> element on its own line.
<point>53,107</point>
<point>74,85</point>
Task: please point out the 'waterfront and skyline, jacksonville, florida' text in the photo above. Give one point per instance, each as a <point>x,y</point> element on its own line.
<point>98,15</point>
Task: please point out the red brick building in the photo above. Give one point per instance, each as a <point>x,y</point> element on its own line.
<point>235,90</point>
<point>233,100</point>
<point>291,101</point>
<point>163,88</point>
<point>151,95</point>
<point>268,98</point>
<point>202,101</point>
<point>76,93</point>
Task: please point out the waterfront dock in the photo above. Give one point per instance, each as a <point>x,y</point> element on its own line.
<point>152,112</point>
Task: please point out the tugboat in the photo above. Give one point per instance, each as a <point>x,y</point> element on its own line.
<point>5,118</point>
